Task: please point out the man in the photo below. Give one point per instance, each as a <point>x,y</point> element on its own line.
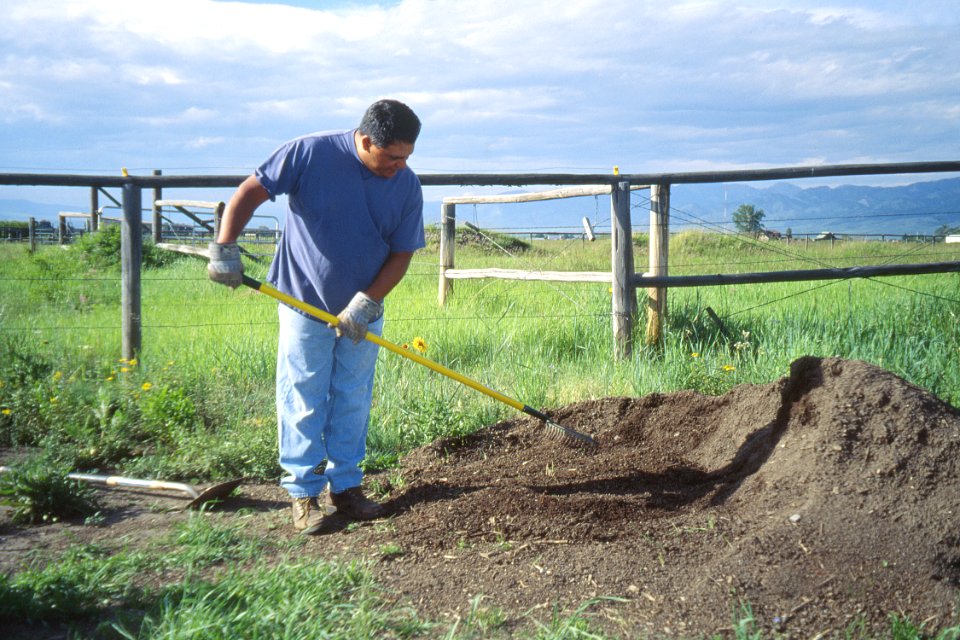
<point>353,222</point>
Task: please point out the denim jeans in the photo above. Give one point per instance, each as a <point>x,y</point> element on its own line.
<point>324,391</point>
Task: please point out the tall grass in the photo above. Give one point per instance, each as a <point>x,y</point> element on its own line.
<point>199,400</point>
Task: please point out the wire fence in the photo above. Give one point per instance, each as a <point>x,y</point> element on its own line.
<point>496,300</point>
<point>80,293</point>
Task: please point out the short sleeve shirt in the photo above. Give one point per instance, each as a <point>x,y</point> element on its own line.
<point>342,220</point>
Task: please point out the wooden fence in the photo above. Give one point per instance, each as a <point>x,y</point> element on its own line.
<point>624,280</point>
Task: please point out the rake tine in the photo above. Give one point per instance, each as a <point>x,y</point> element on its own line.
<point>558,431</point>
<point>566,433</point>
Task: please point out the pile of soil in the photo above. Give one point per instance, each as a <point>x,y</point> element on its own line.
<point>825,499</point>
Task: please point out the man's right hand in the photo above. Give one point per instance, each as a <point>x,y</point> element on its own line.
<point>225,266</point>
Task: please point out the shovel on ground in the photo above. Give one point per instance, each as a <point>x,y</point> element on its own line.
<point>199,498</point>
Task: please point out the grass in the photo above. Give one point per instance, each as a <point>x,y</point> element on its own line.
<point>197,404</point>
<point>287,600</point>
<point>120,593</point>
<point>262,591</point>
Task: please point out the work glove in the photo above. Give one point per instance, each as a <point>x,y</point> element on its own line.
<point>353,321</point>
<point>225,266</point>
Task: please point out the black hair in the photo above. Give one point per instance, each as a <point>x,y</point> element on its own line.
<point>390,121</point>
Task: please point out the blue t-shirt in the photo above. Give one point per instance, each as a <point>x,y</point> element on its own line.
<point>342,221</point>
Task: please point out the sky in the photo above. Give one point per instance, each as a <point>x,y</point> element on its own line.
<point>213,86</point>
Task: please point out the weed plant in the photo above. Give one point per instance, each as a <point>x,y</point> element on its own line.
<point>38,493</point>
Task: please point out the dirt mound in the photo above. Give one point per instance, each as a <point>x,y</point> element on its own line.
<point>826,497</point>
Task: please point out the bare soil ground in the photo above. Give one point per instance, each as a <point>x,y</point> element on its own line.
<point>825,498</point>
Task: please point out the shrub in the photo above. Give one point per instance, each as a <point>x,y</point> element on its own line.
<point>39,493</point>
<point>101,250</point>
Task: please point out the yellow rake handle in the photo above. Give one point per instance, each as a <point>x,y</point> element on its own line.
<point>329,318</point>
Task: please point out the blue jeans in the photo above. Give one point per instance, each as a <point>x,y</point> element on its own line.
<point>324,392</point>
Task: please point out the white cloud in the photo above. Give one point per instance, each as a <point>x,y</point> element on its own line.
<point>13,113</point>
<point>189,116</point>
<point>204,142</point>
<point>499,85</point>
<point>149,74</point>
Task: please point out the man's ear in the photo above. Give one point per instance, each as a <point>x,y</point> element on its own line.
<point>366,142</point>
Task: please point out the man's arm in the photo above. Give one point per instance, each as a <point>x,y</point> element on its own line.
<point>391,273</point>
<point>225,266</point>
<point>244,202</point>
<point>368,305</point>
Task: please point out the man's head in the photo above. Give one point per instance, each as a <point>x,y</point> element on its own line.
<point>389,121</point>
<point>386,136</point>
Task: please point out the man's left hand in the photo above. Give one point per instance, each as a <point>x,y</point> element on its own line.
<point>353,321</point>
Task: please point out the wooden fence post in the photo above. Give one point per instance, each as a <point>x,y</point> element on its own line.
<point>588,229</point>
<point>623,298</point>
<point>218,218</point>
<point>32,233</point>
<point>157,224</point>
<point>131,256</point>
<point>658,266</point>
<point>448,239</point>
<point>62,231</point>
<point>94,209</point>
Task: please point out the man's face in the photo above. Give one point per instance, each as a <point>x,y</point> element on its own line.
<point>384,161</point>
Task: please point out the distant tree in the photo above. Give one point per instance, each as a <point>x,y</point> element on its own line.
<point>946,230</point>
<point>748,219</point>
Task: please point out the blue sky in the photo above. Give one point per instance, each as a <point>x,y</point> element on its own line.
<point>204,86</point>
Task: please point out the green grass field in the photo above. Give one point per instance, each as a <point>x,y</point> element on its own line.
<point>208,352</point>
<point>197,403</point>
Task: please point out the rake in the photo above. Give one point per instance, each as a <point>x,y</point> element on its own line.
<point>553,428</point>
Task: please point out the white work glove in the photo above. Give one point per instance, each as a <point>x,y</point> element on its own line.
<point>225,266</point>
<point>353,320</point>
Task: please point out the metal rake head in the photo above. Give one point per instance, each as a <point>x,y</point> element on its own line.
<point>568,435</point>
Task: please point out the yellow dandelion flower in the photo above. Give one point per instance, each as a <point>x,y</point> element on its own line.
<point>57,376</point>
<point>420,344</point>
<point>694,355</point>
<point>109,378</point>
<point>146,386</point>
<point>123,361</point>
<point>124,369</point>
<point>5,411</point>
<point>54,400</point>
<point>133,362</point>
<point>729,367</point>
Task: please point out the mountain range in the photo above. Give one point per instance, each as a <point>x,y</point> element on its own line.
<point>917,208</point>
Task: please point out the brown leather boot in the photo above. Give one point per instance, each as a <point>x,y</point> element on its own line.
<point>309,516</point>
<point>353,504</point>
